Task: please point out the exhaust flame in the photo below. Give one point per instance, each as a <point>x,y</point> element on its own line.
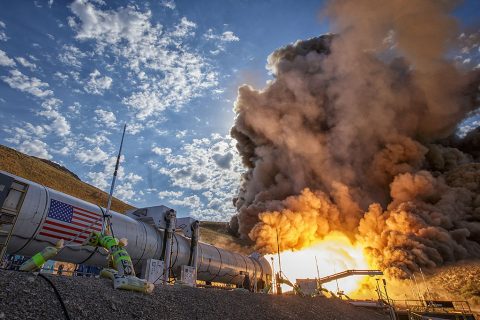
<point>335,253</point>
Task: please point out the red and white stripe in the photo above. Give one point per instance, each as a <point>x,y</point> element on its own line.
<point>82,224</point>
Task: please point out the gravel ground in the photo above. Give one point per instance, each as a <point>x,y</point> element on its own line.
<point>26,296</point>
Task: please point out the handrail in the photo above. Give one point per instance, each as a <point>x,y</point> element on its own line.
<point>348,273</point>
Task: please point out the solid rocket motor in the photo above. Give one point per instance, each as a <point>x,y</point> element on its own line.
<point>44,216</point>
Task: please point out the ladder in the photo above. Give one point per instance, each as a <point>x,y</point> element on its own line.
<point>9,211</point>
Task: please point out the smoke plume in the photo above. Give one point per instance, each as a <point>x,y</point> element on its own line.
<point>356,134</point>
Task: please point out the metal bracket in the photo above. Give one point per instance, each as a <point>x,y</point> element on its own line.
<point>155,216</point>
<point>185,225</point>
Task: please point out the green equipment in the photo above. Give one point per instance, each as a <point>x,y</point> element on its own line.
<point>38,260</point>
<point>123,274</point>
<point>131,283</point>
<point>120,257</point>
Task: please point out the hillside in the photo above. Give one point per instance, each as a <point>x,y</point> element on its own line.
<point>216,233</point>
<point>54,176</point>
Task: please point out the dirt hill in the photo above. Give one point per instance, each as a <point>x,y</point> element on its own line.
<point>54,176</point>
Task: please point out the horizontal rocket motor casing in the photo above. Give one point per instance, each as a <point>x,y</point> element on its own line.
<point>144,241</point>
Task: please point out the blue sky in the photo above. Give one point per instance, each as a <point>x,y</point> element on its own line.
<point>71,73</point>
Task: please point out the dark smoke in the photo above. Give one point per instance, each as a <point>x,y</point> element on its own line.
<point>355,134</point>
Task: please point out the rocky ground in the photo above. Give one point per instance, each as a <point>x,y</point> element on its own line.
<point>459,281</point>
<point>26,296</point>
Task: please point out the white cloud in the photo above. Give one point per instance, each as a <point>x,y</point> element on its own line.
<point>146,103</point>
<point>37,130</point>
<point>109,26</point>
<point>27,139</point>
<point>184,28</point>
<point>170,4</point>
<point>3,35</point>
<point>61,76</point>
<point>469,124</point>
<point>59,124</point>
<point>71,56</point>
<point>161,151</point>
<point>35,148</point>
<point>98,140</point>
<point>227,36</point>
<point>102,179</point>
<point>176,72</point>
<point>211,169</point>
<point>98,84</point>
<point>170,194</point>
<point>32,85</point>
<point>134,128</point>
<point>5,60</point>
<point>106,118</point>
<point>192,202</point>
<point>223,160</point>
<point>94,156</point>
<point>220,40</point>
<point>181,134</point>
<point>125,188</point>
<point>27,64</point>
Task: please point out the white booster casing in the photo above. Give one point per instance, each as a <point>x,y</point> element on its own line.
<point>144,240</point>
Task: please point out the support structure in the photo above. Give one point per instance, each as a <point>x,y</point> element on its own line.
<point>170,228</point>
<point>348,273</point>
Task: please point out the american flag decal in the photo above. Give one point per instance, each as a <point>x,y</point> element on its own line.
<point>68,222</point>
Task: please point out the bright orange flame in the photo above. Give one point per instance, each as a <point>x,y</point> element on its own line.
<point>335,253</point>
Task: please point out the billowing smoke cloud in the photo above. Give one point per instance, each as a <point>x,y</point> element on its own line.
<point>354,135</point>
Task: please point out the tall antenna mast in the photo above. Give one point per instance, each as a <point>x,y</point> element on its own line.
<point>278,253</point>
<point>318,275</point>
<point>107,215</point>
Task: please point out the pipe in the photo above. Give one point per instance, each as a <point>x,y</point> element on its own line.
<point>37,226</point>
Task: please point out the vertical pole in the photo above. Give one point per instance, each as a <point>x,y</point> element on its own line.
<point>170,217</point>
<point>379,293</point>
<point>278,253</point>
<point>318,275</point>
<point>336,280</point>
<point>393,315</point>
<point>194,245</point>
<point>385,289</point>
<point>106,216</point>
<point>278,283</point>
<point>420,296</point>
<point>426,285</point>
<point>274,288</point>
<point>194,248</point>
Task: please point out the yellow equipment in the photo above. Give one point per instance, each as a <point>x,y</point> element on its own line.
<point>38,260</point>
<point>121,259</point>
<point>123,276</point>
<point>127,282</point>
